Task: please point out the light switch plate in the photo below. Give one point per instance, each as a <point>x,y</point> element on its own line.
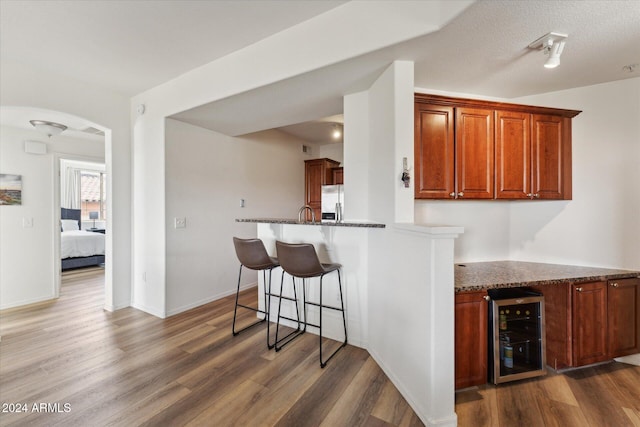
<point>27,222</point>
<point>180,222</point>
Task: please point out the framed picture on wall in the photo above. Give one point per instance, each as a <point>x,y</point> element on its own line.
<point>10,189</point>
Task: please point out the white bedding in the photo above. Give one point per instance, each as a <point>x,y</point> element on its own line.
<point>79,243</point>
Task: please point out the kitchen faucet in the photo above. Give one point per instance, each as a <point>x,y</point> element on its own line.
<point>302,209</point>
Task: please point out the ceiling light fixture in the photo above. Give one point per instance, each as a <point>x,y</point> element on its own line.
<point>337,133</point>
<point>48,128</point>
<point>552,44</point>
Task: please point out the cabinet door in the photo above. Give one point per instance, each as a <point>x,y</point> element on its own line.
<point>551,155</point>
<point>314,179</point>
<point>589,323</point>
<point>471,329</point>
<point>513,155</point>
<point>317,172</point>
<point>338,175</point>
<point>624,317</point>
<point>434,152</point>
<point>474,153</point>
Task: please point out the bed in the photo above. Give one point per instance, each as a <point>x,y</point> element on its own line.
<point>79,248</point>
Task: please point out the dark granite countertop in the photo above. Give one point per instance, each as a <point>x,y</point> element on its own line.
<point>296,222</point>
<point>476,276</point>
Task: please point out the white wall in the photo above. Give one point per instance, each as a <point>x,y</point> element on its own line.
<point>207,173</point>
<point>410,280</point>
<point>28,267</point>
<point>332,151</point>
<point>600,226</point>
<point>486,226</point>
<point>22,86</point>
<point>277,58</point>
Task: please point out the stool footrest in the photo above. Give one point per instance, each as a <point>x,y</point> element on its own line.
<point>283,297</point>
<point>323,306</point>
<point>257,310</point>
<point>247,327</point>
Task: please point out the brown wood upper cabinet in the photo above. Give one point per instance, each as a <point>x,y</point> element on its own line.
<point>338,175</point>
<point>317,172</point>
<point>474,153</point>
<point>472,149</point>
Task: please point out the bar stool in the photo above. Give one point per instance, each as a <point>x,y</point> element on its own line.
<point>301,261</point>
<point>252,254</point>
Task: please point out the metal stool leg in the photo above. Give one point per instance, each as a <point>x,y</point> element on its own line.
<point>267,306</point>
<point>294,334</point>
<point>344,321</point>
<point>235,310</point>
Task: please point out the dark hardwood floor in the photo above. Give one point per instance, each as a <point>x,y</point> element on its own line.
<point>606,395</point>
<point>82,366</point>
<point>128,368</point>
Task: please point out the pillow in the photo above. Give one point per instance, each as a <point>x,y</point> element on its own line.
<point>69,224</point>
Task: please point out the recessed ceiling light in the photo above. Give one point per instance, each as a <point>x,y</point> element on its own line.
<point>337,133</point>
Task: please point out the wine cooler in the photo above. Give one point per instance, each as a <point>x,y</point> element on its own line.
<point>517,337</point>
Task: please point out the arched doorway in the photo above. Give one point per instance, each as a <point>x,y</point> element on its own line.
<point>23,250</point>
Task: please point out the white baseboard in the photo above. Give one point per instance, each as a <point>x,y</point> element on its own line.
<point>207,300</point>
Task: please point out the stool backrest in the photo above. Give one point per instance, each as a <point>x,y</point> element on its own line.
<point>252,254</point>
<point>299,259</point>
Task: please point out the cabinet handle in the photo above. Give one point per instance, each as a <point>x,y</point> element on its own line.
<point>452,194</point>
<point>530,195</point>
<point>461,194</point>
<point>614,284</point>
<point>579,289</point>
<point>487,298</point>
<point>537,196</point>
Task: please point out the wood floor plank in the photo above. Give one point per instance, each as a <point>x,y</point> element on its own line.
<point>390,406</point>
<point>597,396</point>
<point>602,395</point>
<point>477,408</point>
<point>309,409</point>
<point>356,403</point>
<point>633,415</point>
<point>129,368</point>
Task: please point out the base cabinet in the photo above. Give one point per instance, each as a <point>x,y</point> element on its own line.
<point>624,317</point>
<point>471,335</point>
<point>591,322</point>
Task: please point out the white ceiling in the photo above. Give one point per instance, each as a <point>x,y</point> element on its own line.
<point>131,46</point>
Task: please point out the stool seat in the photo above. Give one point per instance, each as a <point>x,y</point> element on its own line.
<point>252,255</point>
<point>300,260</point>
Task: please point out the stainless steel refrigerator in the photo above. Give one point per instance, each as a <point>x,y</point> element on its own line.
<point>332,203</point>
